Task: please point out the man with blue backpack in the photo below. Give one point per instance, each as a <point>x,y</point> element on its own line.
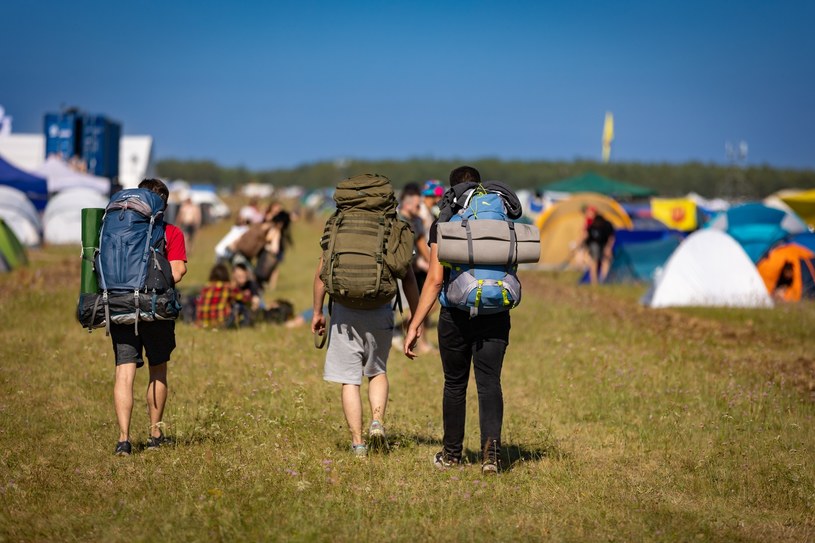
<point>139,262</point>
<point>475,297</point>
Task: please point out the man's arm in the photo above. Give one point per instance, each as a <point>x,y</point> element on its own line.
<point>318,298</point>
<point>430,292</point>
<point>179,269</point>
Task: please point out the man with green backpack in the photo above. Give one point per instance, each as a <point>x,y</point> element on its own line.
<point>367,249</point>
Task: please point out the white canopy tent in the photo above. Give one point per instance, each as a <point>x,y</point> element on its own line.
<point>62,220</point>
<point>709,268</point>
<point>20,215</point>
<point>61,177</point>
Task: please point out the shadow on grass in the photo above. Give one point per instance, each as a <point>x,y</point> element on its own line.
<point>514,454</point>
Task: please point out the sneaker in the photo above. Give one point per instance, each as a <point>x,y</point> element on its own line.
<point>123,448</point>
<point>360,451</point>
<point>490,467</point>
<point>376,436</point>
<point>491,463</point>
<point>154,443</point>
<point>442,461</point>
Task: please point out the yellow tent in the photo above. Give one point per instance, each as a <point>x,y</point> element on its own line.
<point>563,224</point>
<point>803,203</point>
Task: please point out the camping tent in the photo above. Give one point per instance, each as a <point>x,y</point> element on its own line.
<point>807,239</point>
<point>19,213</point>
<point>34,188</point>
<point>562,225</point>
<point>803,203</point>
<point>638,254</point>
<point>62,220</point>
<point>803,271</point>
<point>709,269</point>
<point>12,253</point>
<point>757,227</point>
<point>61,177</point>
<point>591,182</point>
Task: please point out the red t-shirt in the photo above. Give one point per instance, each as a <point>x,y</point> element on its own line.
<point>175,248</point>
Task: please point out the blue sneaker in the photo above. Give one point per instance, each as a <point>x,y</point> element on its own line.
<point>123,448</point>
<point>360,451</point>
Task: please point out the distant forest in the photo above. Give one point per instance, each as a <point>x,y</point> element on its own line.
<point>709,180</point>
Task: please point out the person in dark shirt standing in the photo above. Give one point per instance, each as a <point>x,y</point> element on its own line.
<point>598,238</point>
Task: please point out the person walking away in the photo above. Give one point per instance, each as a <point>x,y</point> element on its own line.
<point>410,209</point>
<point>431,196</point>
<point>366,248</point>
<point>189,219</point>
<point>155,339</point>
<point>598,238</point>
<point>465,340</point>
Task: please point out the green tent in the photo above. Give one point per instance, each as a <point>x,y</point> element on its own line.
<point>591,182</point>
<point>12,253</point>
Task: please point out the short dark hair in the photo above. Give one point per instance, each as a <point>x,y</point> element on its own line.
<point>464,174</point>
<point>219,272</point>
<point>157,186</point>
<point>411,189</point>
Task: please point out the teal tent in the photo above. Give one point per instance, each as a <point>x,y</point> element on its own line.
<point>592,182</point>
<point>758,227</point>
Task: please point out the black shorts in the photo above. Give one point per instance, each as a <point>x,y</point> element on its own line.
<point>596,251</point>
<point>155,339</point>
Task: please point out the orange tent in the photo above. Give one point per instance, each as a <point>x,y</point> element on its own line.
<point>801,260</point>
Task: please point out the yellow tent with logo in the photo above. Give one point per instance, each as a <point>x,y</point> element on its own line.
<point>803,203</point>
<point>563,224</point>
<point>675,213</point>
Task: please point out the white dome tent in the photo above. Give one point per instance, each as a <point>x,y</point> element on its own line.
<point>20,215</point>
<point>709,269</point>
<point>61,177</point>
<point>62,220</point>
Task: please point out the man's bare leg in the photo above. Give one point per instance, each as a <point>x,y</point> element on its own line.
<point>352,407</point>
<point>157,397</point>
<point>378,396</point>
<point>123,397</point>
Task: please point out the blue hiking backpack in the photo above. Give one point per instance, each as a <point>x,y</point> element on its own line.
<point>476,288</point>
<point>135,278</point>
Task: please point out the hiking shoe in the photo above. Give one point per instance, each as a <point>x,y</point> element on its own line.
<point>360,451</point>
<point>376,436</point>
<point>123,448</point>
<point>443,461</point>
<point>154,443</point>
<point>490,467</point>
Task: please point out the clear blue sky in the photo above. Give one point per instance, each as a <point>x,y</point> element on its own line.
<point>271,84</point>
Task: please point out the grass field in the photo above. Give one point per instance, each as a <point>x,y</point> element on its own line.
<point>621,424</point>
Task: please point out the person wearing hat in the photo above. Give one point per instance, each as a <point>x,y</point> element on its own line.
<point>598,238</point>
<point>431,196</point>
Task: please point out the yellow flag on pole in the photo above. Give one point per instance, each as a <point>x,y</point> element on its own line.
<point>608,136</point>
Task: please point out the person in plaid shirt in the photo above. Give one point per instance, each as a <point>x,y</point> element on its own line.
<point>214,304</point>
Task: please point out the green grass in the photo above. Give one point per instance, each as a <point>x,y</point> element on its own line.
<point>621,424</point>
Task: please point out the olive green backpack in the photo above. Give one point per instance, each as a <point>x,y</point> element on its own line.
<point>366,245</point>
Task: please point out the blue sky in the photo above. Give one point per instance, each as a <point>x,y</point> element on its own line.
<point>275,84</point>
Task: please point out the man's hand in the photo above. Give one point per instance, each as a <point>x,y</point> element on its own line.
<point>318,323</point>
<point>413,334</point>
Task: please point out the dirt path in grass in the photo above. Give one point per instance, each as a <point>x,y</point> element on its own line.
<point>773,351</point>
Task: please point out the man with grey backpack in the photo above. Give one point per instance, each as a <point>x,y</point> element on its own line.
<point>366,248</point>
<point>474,278</point>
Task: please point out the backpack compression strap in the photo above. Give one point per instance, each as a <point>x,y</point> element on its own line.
<point>332,237</point>
<point>379,258</point>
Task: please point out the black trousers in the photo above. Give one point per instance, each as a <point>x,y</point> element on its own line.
<point>482,342</point>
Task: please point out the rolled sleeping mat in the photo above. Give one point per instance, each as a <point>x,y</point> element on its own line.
<point>91,226</point>
<point>488,242</point>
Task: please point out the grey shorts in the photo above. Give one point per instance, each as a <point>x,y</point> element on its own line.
<point>155,339</point>
<point>359,343</point>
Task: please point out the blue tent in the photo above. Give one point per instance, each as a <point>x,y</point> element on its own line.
<point>757,227</point>
<point>807,239</point>
<point>35,188</point>
<point>638,254</point>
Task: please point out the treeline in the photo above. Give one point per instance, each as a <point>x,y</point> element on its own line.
<point>709,180</point>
